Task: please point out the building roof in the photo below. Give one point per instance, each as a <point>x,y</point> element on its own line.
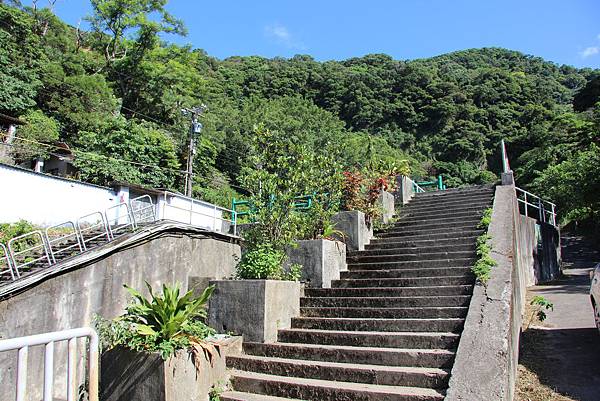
<point>11,120</point>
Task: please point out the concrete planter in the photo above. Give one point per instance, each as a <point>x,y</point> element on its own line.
<point>322,261</point>
<point>140,376</point>
<point>254,308</point>
<point>353,224</point>
<point>387,203</point>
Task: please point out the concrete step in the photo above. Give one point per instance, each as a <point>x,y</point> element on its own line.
<point>481,202</point>
<point>412,250</point>
<point>380,339</point>
<point>432,235</point>
<point>408,213</point>
<point>436,222</point>
<point>420,230</point>
<point>412,264</point>
<point>323,390</point>
<point>430,358</point>
<point>402,282</point>
<point>446,197</point>
<point>377,258</point>
<point>452,325</point>
<point>390,292</point>
<point>239,396</point>
<point>324,301</point>
<point>450,191</point>
<point>386,313</point>
<point>342,372</point>
<point>407,273</point>
<point>441,209</point>
<point>392,244</point>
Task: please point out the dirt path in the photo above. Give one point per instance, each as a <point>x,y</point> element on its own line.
<point>564,352</point>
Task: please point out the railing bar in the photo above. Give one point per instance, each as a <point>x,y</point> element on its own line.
<point>71,370</point>
<point>22,373</point>
<point>48,371</point>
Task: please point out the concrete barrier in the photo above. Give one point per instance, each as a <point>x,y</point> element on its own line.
<point>353,225</point>
<point>322,261</point>
<point>486,361</point>
<point>255,309</point>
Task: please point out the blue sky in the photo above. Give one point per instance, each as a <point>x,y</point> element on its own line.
<point>563,31</point>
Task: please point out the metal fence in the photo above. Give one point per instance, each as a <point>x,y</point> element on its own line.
<point>48,340</point>
<point>48,247</point>
<point>543,210</point>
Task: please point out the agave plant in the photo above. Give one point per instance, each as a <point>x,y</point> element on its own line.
<point>165,316</point>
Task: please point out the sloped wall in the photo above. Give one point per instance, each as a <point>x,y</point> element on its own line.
<point>73,298</point>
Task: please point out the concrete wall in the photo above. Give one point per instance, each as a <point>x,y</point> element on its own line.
<point>73,298</point>
<point>549,256</point>
<point>485,367</point>
<point>404,191</point>
<point>321,260</point>
<point>529,248</point>
<point>353,225</point>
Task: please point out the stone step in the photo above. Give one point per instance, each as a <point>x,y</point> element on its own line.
<point>420,230</point>
<point>435,222</point>
<point>429,358</point>
<point>428,236</point>
<point>407,273</point>
<point>342,372</point>
<point>380,339</point>
<point>450,191</point>
<point>377,258</point>
<point>325,301</point>
<point>412,250</point>
<point>323,390</point>
<point>239,396</point>
<point>433,214</point>
<point>386,313</point>
<point>442,209</point>
<point>481,202</point>
<point>466,197</point>
<point>402,282</point>
<point>452,325</point>
<point>390,292</point>
<point>396,243</point>
<point>412,264</point>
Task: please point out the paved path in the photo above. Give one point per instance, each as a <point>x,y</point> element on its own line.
<point>567,348</point>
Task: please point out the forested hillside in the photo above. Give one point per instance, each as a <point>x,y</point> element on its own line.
<point>115,95</point>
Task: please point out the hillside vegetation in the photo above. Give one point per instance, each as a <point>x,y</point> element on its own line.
<point>115,95</point>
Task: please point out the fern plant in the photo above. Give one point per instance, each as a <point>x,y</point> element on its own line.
<point>162,323</point>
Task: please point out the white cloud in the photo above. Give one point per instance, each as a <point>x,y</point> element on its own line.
<point>590,51</point>
<point>280,34</point>
<point>598,36</point>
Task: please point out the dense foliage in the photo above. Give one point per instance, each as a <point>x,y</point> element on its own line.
<point>116,95</point>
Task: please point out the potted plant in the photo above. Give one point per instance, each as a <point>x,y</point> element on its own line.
<point>159,349</point>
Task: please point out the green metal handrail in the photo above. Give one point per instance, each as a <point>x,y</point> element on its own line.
<point>438,183</point>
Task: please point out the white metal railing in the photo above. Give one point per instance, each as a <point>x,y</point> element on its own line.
<point>116,220</point>
<point>92,231</point>
<point>142,210</point>
<point>14,274</point>
<point>546,211</point>
<point>205,215</point>
<point>417,188</point>
<point>122,220</point>
<point>48,340</point>
<point>29,255</point>
<point>64,242</point>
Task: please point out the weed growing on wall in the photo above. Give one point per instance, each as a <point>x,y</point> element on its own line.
<point>483,267</point>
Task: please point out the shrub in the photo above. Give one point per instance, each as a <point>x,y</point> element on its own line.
<point>163,323</point>
<point>265,262</point>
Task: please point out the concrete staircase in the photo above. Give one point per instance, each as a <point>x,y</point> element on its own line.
<point>389,328</point>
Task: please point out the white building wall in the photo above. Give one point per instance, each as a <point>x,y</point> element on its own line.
<point>191,211</point>
<point>46,200</point>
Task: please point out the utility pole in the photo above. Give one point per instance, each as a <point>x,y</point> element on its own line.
<point>195,129</point>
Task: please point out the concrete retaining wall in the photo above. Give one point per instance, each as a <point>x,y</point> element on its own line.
<point>404,191</point>
<point>73,298</point>
<point>485,367</point>
<point>549,257</point>
<point>354,226</point>
<point>322,261</point>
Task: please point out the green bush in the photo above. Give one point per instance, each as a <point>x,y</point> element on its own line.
<point>265,262</point>
<point>163,323</point>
